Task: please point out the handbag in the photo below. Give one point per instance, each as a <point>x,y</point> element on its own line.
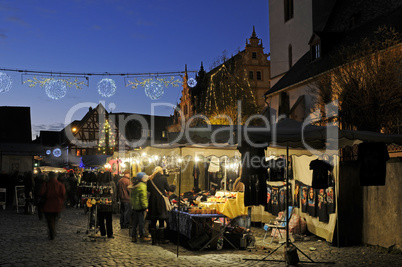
<point>168,205</point>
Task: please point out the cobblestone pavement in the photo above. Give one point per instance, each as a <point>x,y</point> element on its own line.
<point>24,242</point>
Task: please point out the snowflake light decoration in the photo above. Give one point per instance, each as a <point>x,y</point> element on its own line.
<point>56,89</point>
<point>57,152</point>
<point>154,89</point>
<point>192,82</point>
<point>5,82</point>
<point>106,87</point>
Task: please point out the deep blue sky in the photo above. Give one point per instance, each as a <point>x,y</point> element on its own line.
<point>117,36</point>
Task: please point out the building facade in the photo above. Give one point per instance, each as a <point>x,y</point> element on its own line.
<point>245,74</point>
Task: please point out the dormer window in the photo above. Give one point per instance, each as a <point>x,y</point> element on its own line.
<point>315,51</point>
<point>254,55</point>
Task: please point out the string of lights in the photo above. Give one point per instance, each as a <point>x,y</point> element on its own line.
<point>56,83</point>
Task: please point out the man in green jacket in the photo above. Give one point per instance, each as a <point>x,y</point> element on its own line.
<point>139,203</point>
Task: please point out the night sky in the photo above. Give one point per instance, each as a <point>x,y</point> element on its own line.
<point>117,36</point>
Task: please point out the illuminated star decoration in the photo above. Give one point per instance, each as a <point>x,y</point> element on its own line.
<point>5,82</point>
<point>192,82</point>
<point>56,89</point>
<point>154,89</point>
<point>106,87</point>
<point>57,152</point>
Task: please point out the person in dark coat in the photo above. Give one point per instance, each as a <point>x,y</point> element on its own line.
<point>28,187</point>
<point>40,178</point>
<point>124,197</point>
<point>156,206</point>
<point>105,209</point>
<point>55,193</point>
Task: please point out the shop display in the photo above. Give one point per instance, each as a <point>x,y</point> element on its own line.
<point>94,195</point>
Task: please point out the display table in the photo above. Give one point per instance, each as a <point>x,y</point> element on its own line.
<point>232,208</point>
<point>185,221</point>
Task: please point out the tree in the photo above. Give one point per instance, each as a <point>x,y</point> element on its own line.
<point>367,82</point>
<point>228,86</point>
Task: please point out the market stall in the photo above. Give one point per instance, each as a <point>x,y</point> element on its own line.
<point>301,143</point>
<point>332,211</point>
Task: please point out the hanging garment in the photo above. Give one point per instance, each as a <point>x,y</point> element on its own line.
<point>268,206</point>
<point>214,164</point>
<point>330,192</point>
<point>275,200</point>
<point>303,198</point>
<point>196,175</point>
<point>372,159</point>
<point>296,194</point>
<point>322,206</point>
<point>312,202</point>
<point>276,169</point>
<point>321,174</point>
<point>282,198</point>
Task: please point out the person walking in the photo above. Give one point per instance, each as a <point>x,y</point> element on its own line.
<point>139,204</point>
<point>105,209</point>
<point>124,197</point>
<point>39,180</point>
<point>55,194</point>
<point>156,208</point>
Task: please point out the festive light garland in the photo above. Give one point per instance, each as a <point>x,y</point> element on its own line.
<point>154,89</point>
<point>5,82</point>
<point>55,89</point>
<point>106,87</point>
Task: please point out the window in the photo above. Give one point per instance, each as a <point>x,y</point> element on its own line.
<point>290,55</point>
<point>149,133</point>
<point>163,134</point>
<point>315,51</point>
<point>251,75</point>
<point>254,55</point>
<point>144,132</point>
<point>78,152</point>
<point>259,75</point>
<point>288,7</point>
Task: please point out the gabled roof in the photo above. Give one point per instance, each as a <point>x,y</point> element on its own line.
<point>332,43</point>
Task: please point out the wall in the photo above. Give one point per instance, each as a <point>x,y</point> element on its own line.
<point>370,214</point>
<point>296,31</point>
<point>24,163</point>
<point>383,210</point>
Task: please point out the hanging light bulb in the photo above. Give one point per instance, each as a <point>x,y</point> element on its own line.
<point>5,82</point>
<point>106,87</point>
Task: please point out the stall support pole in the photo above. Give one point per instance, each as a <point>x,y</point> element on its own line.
<point>288,242</point>
<point>178,214</point>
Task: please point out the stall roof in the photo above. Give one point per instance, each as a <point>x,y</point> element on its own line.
<point>193,150</point>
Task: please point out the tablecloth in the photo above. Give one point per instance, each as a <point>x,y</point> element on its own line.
<point>232,208</point>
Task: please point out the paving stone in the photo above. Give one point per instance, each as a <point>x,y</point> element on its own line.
<point>24,242</point>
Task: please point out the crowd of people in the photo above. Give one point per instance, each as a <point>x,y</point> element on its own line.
<point>138,199</point>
